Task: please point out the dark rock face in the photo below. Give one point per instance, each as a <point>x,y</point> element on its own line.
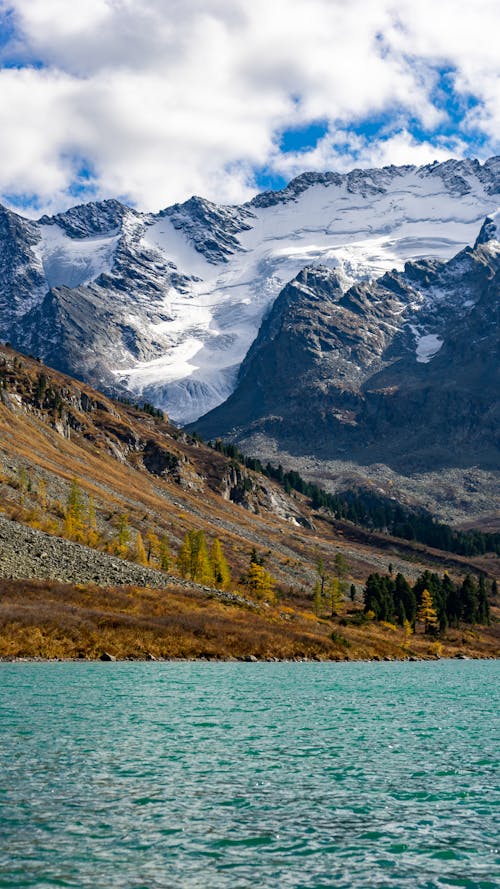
<point>21,278</point>
<point>213,230</point>
<point>403,370</point>
<point>159,461</point>
<point>85,220</point>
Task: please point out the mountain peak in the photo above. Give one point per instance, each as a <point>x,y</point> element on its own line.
<point>87,220</point>
<point>490,229</point>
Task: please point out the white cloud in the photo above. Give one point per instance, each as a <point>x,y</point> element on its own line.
<point>342,150</point>
<point>165,98</point>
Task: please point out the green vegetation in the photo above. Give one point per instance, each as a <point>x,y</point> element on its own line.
<point>436,602</point>
<point>373,511</point>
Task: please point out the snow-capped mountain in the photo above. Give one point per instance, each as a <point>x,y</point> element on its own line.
<point>167,305</point>
<point>393,383</point>
<point>393,366</point>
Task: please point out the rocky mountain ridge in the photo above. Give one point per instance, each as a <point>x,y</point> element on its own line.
<point>167,305</point>
<point>401,371</point>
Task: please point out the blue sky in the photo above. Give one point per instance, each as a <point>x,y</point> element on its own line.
<point>154,100</point>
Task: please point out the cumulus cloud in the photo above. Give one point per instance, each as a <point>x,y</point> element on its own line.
<point>154,100</point>
<point>342,150</point>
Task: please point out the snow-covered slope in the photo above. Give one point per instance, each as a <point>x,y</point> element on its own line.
<point>71,262</point>
<point>362,225</point>
<point>173,301</point>
<point>401,370</point>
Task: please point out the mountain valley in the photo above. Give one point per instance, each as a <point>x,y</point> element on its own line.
<point>345,326</point>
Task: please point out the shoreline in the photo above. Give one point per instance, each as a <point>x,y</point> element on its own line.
<point>55,622</point>
<point>243,659</point>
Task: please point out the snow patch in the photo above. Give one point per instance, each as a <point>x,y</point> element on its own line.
<point>426,345</point>
<point>70,262</point>
<point>358,235</point>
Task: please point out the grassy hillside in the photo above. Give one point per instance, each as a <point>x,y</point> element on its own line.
<point>132,473</point>
<point>52,620</point>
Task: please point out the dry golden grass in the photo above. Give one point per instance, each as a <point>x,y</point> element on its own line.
<point>123,486</point>
<point>52,620</point>
<point>104,452</point>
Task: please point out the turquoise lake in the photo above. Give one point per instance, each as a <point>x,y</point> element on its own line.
<point>159,775</point>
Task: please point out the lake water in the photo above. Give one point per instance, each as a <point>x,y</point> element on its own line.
<point>149,775</point>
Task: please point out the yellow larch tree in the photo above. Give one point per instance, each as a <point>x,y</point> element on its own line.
<point>221,575</point>
<point>140,551</point>
<point>426,613</point>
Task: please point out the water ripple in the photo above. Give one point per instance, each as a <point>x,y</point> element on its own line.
<point>231,776</point>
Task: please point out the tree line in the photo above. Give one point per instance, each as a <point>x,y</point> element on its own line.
<point>437,602</point>
<point>372,511</point>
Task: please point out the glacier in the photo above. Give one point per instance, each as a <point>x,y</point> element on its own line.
<point>191,285</point>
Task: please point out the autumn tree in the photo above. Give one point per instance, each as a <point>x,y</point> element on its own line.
<point>221,575</point>
<point>192,559</point>
<point>91,532</point>
<point>341,566</point>
<point>152,547</point>
<point>426,613</point>
<point>140,550</point>
<point>184,556</point>
<point>123,536</point>
<point>42,493</point>
<point>164,553</point>
<point>259,582</point>
<point>317,598</point>
<point>73,524</point>
<point>334,593</point>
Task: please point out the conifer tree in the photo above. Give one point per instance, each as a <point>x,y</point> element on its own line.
<point>184,557</point>
<point>221,575</point>
<point>123,536</point>
<point>164,553</point>
<point>426,613</point>
<point>91,517</point>
<point>42,493</point>
<point>259,582</point>
<point>334,593</point>
<point>152,546</point>
<point>341,565</point>
<point>401,613</point>
<point>140,551</point>
<point>451,596</point>
<point>23,479</point>
<point>73,525</point>
<point>317,598</point>
<point>192,559</point>
<point>469,600</point>
<point>403,593</point>
<point>483,606</point>
<point>92,536</point>
<point>254,557</point>
<point>201,568</point>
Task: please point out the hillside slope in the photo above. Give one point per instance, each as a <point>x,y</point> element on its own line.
<point>131,469</point>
